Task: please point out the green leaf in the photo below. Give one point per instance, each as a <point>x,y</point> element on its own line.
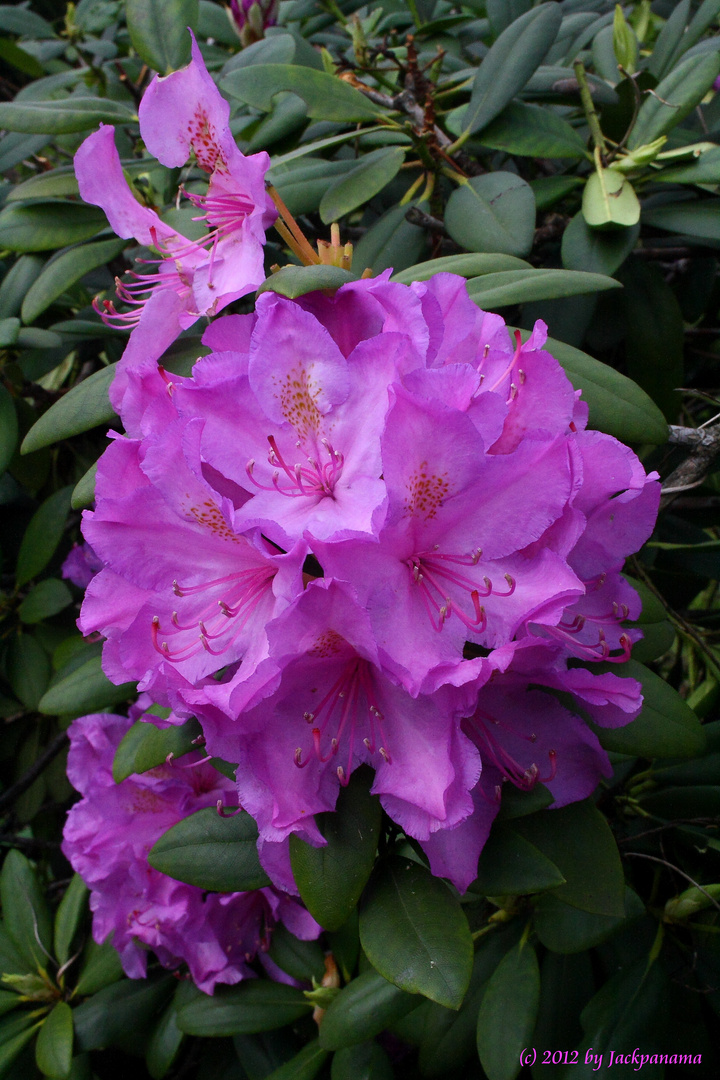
<point>61,182</point>
<point>254,1006</point>
<point>304,1066</point>
<point>24,22</point>
<point>510,62</point>
<point>565,929</point>
<point>510,865</point>
<point>494,212</point>
<point>8,428</point>
<point>577,838</point>
<point>516,803</point>
<point>43,535</point>
<point>549,190</point>
<point>365,1007</point>
<point>331,878</point>
<point>48,225</point>
<point>145,747</point>
<point>327,96</point>
<point>68,916</point>
<point>369,176</point>
<point>508,1011</point>
<point>83,689</point>
<point>703,169</point>
<point>63,117</point>
<point>9,329</point>
<point>689,801</point>
<point>84,407</point>
<point>468,266</point>
<point>166,1037</point>
<point>28,669</point>
<point>302,186</point>
<point>695,217</point>
<point>84,491</point>
<point>211,852</point>
<point>46,599</point>
<point>415,933</point>
<point>618,406</point>
<point>122,1014</point>
<point>599,251</point>
<point>666,727</point>
<point>533,131</point>
<point>303,960</point>
<point>294,281</point>
<point>159,33</point>
<point>62,271</point>
<point>630,1009</point>
<point>654,343</point>
<point>365,1061</point>
<point>101,967</point>
<point>25,913</point>
<point>668,40</point>
<point>522,286</point>
<point>674,97</point>
<point>10,1048</point>
<point>53,1050</point>
<point>391,241</point>
<point>609,199</point>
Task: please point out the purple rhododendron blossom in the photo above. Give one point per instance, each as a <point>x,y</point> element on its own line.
<point>81,565</point>
<point>181,113</point>
<point>371,528</point>
<point>107,837</point>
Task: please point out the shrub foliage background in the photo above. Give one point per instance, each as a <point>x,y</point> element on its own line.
<point>565,156</point>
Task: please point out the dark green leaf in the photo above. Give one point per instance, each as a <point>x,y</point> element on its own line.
<point>327,96</point>
<point>9,330</point>
<point>675,96</point>
<point>494,212</point>
<point>84,491</point>
<point>655,334</point>
<point>512,59</point>
<point>12,960</point>
<point>24,22</point>
<point>43,535</point>
<point>48,225</point>
<point>166,1037</point>
<point>15,284</point>
<point>11,1047</point>
<point>522,286</point>
<point>703,169</point>
<point>469,266</point>
<point>84,407</point>
<point>288,115</point>
<point>122,1014</point>
<point>53,1050</point>
<point>533,131</point>
<point>100,967</point>
<point>83,689</point>
<point>577,838</point>
<point>25,913</point>
<point>668,41</point>
<point>666,727</point>
<point>62,117</point>
<point>370,175</point>
<point>159,33</point>
<point>294,281</point>
<point>510,865</point>
<point>365,1007</point>
<point>304,1066</point>
<point>8,428</point>
<point>9,1000</point>
<point>508,1012</point>
<point>695,217</point>
<point>690,801</point>
<point>566,985</point>
<point>331,878</point>
<point>391,241</point>
<point>303,960</point>
<point>566,929</point>
<point>302,186</point>
<point>212,852</point>
<point>516,803</point>
<point>61,272</point>
<point>46,599</point>
<point>145,747</point>
<point>366,1061</point>
<point>549,190</point>
<point>68,916</point>
<point>28,669</point>
<point>415,933</point>
<point>19,59</point>
<point>601,252</point>
<point>257,1005</point>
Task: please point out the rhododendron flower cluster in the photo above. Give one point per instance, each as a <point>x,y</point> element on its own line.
<point>107,838</point>
<point>372,528</point>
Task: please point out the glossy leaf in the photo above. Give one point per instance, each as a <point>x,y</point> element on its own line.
<point>522,286</point>
<point>366,1061</point>
<point>25,912</point>
<point>566,929</point>
<point>654,345</point>
<point>68,916</point>
<point>668,40</point>
<point>100,967</point>
<point>12,1046</point>
<point>159,33</point>
<point>62,117</point>
<point>302,186</point>
<point>365,1007</point>
<point>304,1066</point>
<point>468,266</point>
<point>253,1006</point>
<point>28,669</point>
<point>331,878</point>
<point>83,689</point>
<point>510,62</point>
<point>370,175</point>
<point>122,1014</point>
<point>84,491</point>
<point>63,271</point>
<point>86,406</point>
<point>8,428</point>
<point>145,747</point>
<point>391,241</point>
<point>303,960</point>
<point>494,212</point>
<point>48,225</point>
<point>507,1013</point>
<point>700,218</point>
<point>43,601</point>
<point>510,865</point>
<point>628,1010</point>
<point>53,1050</point>
<point>577,838</point>
<point>675,96</point>
<point>703,169</point>
<point>42,535</point>
<point>415,933</point>
<point>600,251</point>
<point>166,1038</point>
<point>212,852</point>
<point>327,96</point>
<point>294,281</point>
<point>533,131</point>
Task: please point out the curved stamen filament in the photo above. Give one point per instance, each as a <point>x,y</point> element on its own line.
<point>312,479</point>
<point>511,365</point>
<point>430,573</point>
<point>491,746</point>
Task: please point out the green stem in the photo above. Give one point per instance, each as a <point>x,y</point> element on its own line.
<point>589,107</point>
